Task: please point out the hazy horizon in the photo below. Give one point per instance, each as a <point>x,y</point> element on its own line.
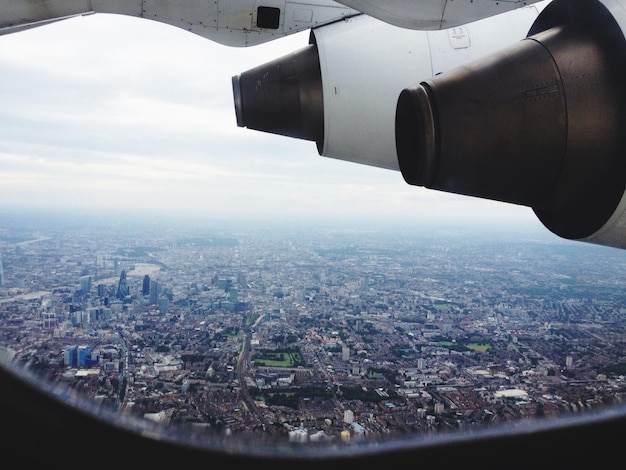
<point>354,230</point>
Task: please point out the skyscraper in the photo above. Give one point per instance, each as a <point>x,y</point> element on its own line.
<point>155,292</point>
<point>85,284</point>
<point>122,287</point>
<point>146,285</point>
<point>163,304</point>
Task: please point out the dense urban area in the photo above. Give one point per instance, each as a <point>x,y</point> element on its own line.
<point>314,333</point>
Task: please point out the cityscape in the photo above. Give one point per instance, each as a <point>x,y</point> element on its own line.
<point>314,332</point>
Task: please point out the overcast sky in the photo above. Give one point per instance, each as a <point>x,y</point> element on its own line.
<point>114,113</point>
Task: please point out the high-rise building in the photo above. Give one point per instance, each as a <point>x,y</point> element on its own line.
<point>85,284</point>
<point>155,292</point>
<point>83,353</point>
<point>102,290</point>
<point>164,303</point>
<point>70,357</point>
<point>122,287</point>
<point>146,285</point>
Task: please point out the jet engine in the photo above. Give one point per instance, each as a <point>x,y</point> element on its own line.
<point>541,123</point>
<point>341,90</point>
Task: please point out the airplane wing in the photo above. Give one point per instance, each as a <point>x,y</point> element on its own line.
<point>228,22</point>
<point>433,14</point>
<point>250,22</point>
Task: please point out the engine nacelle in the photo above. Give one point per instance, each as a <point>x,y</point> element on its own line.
<point>341,90</point>
<point>541,123</point>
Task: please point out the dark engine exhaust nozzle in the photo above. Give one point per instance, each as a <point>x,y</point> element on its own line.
<point>494,129</point>
<point>283,96</point>
<point>539,124</point>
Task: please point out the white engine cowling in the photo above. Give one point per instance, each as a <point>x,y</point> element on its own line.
<point>341,90</point>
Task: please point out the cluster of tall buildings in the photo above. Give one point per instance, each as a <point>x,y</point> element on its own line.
<point>80,356</point>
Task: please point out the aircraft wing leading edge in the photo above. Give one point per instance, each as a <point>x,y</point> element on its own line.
<point>250,22</point>
<point>433,14</point>
<point>232,22</point>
